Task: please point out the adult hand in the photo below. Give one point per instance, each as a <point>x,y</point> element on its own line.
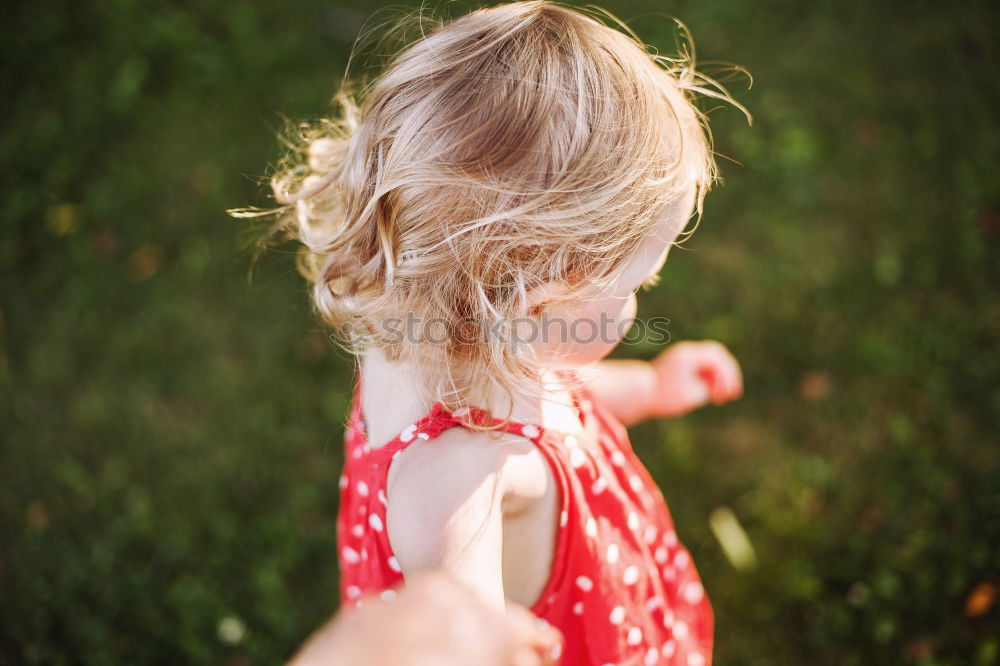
<point>433,621</point>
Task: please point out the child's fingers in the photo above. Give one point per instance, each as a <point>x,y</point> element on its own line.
<point>726,381</point>
<point>732,371</point>
<point>736,377</point>
<point>710,373</point>
<point>730,377</point>
<point>705,389</point>
<point>713,371</point>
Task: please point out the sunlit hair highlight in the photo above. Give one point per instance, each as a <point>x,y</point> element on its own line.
<point>515,145</point>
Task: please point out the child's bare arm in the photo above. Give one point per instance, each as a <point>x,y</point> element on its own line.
<point>686,376</point>
<point>625,387</point>
<point>445,511</point>
<point>445,503</point>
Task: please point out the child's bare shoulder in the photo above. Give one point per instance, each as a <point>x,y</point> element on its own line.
<point>455,488</point>
<point>460,460</point>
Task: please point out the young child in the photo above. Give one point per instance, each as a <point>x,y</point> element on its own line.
<point>479,226</point>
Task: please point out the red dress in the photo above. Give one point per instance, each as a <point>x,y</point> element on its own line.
<point>622,589</point>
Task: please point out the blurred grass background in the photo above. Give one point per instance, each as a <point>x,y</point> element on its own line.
<point>170,431</point>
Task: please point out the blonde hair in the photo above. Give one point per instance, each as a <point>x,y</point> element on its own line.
<point>518,144</point>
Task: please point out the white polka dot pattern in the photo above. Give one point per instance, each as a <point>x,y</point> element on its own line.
<point>680,630</point>
<point>693,592</point>
<point>617,615</point>
<point>623,580</point>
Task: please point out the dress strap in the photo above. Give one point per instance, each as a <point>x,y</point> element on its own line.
<point>439,419</point>
<point>436,421</point>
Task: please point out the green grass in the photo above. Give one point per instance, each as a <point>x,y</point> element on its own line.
<point>170,431</point>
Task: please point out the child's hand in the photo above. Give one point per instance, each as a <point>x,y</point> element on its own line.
<point>433,620</point>
<point>693,374</point>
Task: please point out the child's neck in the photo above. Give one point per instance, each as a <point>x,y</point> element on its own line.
<point>394,395</point>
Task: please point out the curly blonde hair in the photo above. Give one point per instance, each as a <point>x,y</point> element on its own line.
<point>518,144</point>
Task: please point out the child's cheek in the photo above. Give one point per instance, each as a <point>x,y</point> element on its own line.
<point>585,333</point>
<point>612,318</point>
<point>614,321</point>
<point>628,313</point>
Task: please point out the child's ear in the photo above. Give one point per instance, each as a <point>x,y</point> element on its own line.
<point>542,295</point>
